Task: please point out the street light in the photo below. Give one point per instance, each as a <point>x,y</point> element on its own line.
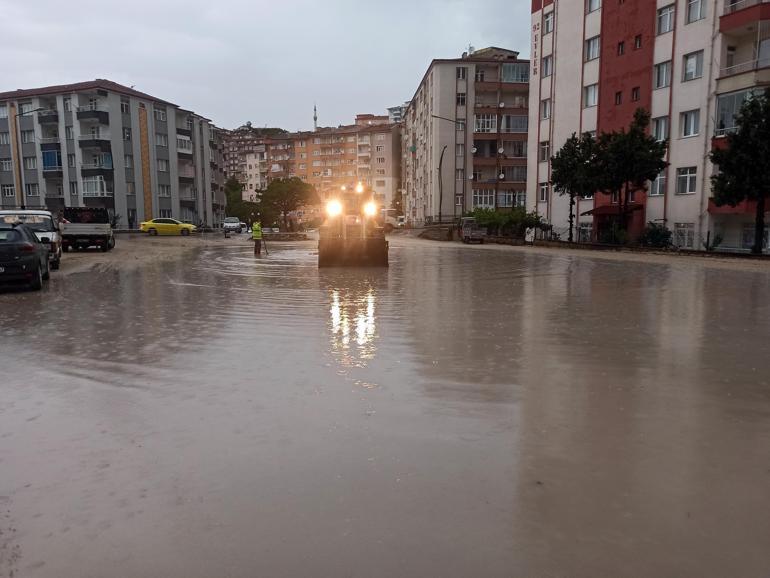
<point>441,174</point>
<point>17,138</point>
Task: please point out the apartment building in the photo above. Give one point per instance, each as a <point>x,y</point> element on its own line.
<point>101,144</point>
<point>690,63</point>
<point>367,151</point>
<point>468,118</point>
<point>256,171</point>
<point>243,141</point>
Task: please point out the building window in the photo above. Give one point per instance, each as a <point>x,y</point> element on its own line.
<point>5,138</point>
<point>379,184</point>
<point>126,134</point>
<point>690,122</point>
<point>665,21</point>
<point>660,128</point>
<point>483,198</point>
<point>480,75</point>
<point>590,95</point>
<point>514,123</point>
<point>695,10</point>
<point>164,190</point>
<point>684,235</point>
<point>693,66</point>
<point>71,161</point>
<point>67,101</point>
<point>129,161</point>
<point>30,163</point>
<point>379,148</point>
<point>460,150</point>
<point>460,99</point>
<point>130,188</point>
<point>728,107</point>
<point>3,111</point>
<point>32,189</point>
<point>380,136</point>
<point>380,172</point>
<point>163,165</point>
<point>545,109</point>
<point>592,48</point>
<point>635,93</point>
<point>462,72</point>
<point>658,186</point>
<point>662,75</point>
<point>460,174</point>
<point>8,190</point>
<point>548,23</point>
<point>686,180</point>
<point>164,213</point>
<point>380,160</point>
<point>637,42</point>
<point>515,149</point>
<point>544,153</point>
<point>6,165</point>
<point>74,188</point>
<point>460,125</point>
<point>485,123</point>
<point>124,106</point>
<point>621,48</point>
<point>619,98</point>
<point>25,107</point>
<point>593,5</point>
<point>161,140</point>
<point>27,136</point>
<point>547,66</point>
<point>544,187</point>
<point>160,114</point>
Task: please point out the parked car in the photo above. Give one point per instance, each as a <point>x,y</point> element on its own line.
<point>45,227</point>
<point>244,227</point>
<point>401,221</point>
<point>167,227</point>
<point>23,257</point>
<point>84,227</point>
<point>232,224</point>
<point>470,231</point>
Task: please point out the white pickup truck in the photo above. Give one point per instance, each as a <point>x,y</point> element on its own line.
<point>45,227</point>
<point>84,227</point>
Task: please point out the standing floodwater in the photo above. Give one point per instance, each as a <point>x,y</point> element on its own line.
<point>467,412</point>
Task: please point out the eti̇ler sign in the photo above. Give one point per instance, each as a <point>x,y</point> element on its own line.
<point>535,42</point>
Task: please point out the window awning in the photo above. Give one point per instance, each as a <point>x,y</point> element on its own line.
<point>611,210</point>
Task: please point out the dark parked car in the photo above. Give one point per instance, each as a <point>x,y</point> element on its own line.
<point>23,257</point>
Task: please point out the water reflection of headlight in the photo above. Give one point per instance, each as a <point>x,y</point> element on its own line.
<point>353,315</point>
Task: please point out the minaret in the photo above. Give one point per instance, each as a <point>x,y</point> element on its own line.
<point>315,117</point>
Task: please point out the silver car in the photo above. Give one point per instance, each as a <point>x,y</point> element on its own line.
<point>232,224</point>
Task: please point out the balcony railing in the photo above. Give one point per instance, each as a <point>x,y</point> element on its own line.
<point>52,168</point>
<point>93,194</point>
<point>94,137</point>
<point>735,5</point>
<point>97,166</point>
<point>90,108</point>
<point>49,140</point>
<point>745,67</point>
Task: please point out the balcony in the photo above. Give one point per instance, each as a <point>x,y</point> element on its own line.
<point>52,172</point>
<point>50,143</point>
<point>744,75</point>
<point>93,114</point>
<point>738,14</point>
<point>97,169</point>
<point>95,141</point>
<point>50,116</point>
<point>186,174</point>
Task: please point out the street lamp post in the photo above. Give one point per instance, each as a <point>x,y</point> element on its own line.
<point>441,174</point>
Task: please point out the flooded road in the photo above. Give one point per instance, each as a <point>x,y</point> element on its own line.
<point>471,411</point>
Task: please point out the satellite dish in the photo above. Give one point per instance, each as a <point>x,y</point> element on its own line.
<point>470,177</point>
<point>501,150</point>
<point>502,105</point>
<point>502,176</point>
<point>473,150</point>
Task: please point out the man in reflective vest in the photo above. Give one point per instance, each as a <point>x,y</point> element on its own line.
<point>256,235</point>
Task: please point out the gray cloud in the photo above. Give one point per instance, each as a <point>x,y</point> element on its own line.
<point>238,60</point>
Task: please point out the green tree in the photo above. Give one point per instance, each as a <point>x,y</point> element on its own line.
<point>283,196</point>
<point>236,206</point>
<point>574,171</point>
<point>743,164</point>
<point>627,160</point>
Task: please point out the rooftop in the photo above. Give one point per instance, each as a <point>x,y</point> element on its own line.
<point>98,84</point>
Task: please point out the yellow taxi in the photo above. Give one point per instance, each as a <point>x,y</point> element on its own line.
<point>167,227</point>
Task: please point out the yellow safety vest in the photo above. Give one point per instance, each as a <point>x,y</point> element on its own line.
<point>256,231</point>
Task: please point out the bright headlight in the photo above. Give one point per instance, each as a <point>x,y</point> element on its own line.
<point>370,209</point>
<point>333,208</point>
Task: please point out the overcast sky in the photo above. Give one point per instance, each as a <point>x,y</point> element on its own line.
<point>257,60</point>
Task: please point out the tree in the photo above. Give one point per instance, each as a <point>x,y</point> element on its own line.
<point>286,195</point>
<point>627,160</point>
<point>573,171</point>
<point>743,163</point>
<point>236,206</point>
